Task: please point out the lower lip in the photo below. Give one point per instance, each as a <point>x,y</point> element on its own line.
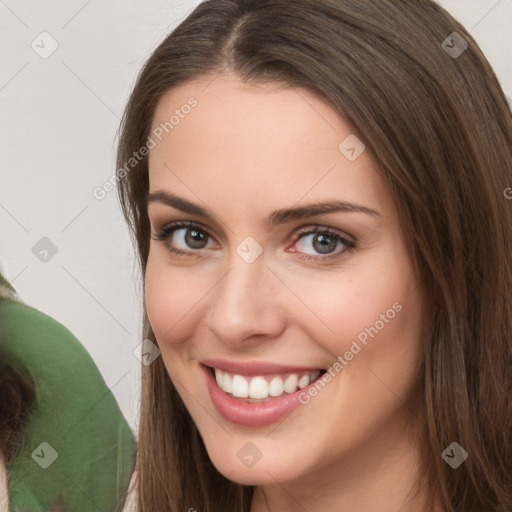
<point>250,414</point>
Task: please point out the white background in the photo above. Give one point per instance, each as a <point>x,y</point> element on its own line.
<point>58,123</point>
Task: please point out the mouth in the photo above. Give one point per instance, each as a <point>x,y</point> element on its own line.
<point>257,395</point>
<point>265,387</point>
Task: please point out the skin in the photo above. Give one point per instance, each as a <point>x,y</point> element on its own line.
<point>243,152</point>
<point>4,498</point>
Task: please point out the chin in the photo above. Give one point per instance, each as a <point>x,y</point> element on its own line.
<point>267,465</point>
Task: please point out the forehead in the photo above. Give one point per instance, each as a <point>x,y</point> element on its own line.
<point>225,140</point>
<point>251,115</point>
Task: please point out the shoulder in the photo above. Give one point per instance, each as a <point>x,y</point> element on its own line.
<point>33,339</point>
<point>75,416</point>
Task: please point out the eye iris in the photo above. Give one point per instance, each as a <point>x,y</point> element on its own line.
<point>195,238</point>
<point>326,244</point>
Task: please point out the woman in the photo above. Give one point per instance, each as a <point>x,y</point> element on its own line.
<point>64,444</point>
<point>316,193</point>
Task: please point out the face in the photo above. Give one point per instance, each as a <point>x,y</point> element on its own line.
<point>291,331</point>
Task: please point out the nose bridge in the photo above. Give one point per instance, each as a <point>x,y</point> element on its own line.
<point>243,303</point>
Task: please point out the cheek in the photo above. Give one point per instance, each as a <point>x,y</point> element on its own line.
<point>378,334</point>
<point>373,314</point>
<point>172,297</point>
<point>354,304</point>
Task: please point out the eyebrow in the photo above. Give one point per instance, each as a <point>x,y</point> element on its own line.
<point>277,217</point>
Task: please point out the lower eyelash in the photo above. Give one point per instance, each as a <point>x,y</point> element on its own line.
<point>349,247</point>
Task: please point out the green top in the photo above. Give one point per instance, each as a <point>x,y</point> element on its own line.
<point>78,451</point>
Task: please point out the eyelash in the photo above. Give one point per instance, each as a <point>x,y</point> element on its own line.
<point>350,245</point>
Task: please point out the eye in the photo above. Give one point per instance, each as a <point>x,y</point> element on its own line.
<point>323,242</point>
<point>184,238</point>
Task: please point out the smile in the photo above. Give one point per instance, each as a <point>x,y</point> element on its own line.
<point>262,387</point>
<point>256,395</point>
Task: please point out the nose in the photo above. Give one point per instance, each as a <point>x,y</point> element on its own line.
<point>245,305</point>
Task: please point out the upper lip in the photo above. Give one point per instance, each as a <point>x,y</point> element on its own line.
<point>253,368</point>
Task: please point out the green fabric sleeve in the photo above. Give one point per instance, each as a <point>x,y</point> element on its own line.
<point>78,452</point>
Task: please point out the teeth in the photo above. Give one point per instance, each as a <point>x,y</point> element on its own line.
<point>240,387</point>
<point>290,384</point>
<point>276,387</point>
<point>261,387</point>
<point>258,388</point>
<point>227,383</point>
<point>303,381</point>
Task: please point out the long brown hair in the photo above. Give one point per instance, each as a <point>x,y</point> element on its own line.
<point>440,127</point>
